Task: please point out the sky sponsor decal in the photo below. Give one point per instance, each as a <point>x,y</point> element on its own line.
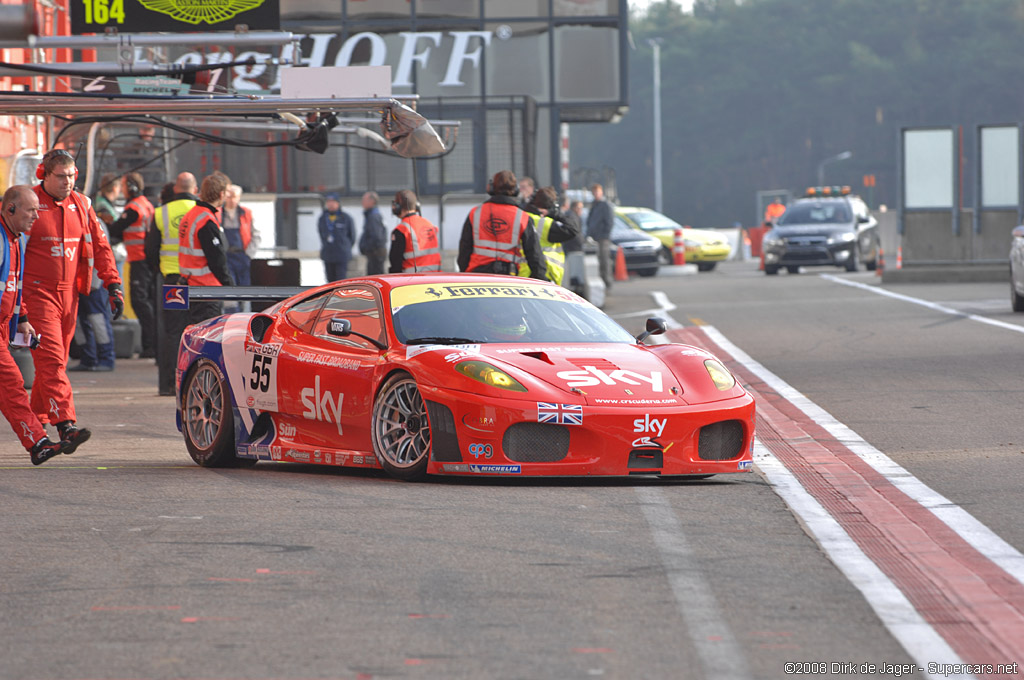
<point>322,405</point>
<point>649,425</point>
<point>591,376</point>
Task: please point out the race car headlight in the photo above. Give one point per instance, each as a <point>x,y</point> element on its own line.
<point>691,244</point>
<point>720,375</point>
<point>774,242</point>
<point>482,371</point>
<point>843,238</point>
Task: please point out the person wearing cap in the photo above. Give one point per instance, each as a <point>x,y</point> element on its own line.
<point>496,232</point>
<point>337,235</point>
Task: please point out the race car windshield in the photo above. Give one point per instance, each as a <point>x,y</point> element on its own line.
<point>815,213</point>
<point>504,319</point>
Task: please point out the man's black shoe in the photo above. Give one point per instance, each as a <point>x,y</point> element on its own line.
<point>45,449</point>
<point>73,436</point>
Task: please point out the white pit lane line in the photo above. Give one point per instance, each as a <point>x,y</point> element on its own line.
<point>720,656</point>
<point>925,303</point>
<point>917,636</point>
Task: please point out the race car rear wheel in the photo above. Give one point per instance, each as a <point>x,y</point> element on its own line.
<point>401,431</point>
<point>206,418</point>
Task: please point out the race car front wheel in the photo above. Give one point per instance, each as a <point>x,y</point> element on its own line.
<point>206,417</point>
<point>401,431</point>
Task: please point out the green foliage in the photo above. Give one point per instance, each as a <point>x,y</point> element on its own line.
<point>756,93</point>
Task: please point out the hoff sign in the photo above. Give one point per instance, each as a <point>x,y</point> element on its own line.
<point>449,51</point>
<point>137,16</point>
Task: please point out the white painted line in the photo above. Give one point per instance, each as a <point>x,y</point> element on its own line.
<point>917,636</point>
<point>925,303</point>
<point>980,537</point>
<point>720,655</point>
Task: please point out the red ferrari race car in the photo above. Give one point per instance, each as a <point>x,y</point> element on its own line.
<point>455,374</point>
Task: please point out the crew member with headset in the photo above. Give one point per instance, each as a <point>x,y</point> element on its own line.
<point>19,211</point>
<point>553,232</point>
<point>162,255</point>
<point>202,253</point>
<point>65,245</point>
<point>414,242</point>
<point>497,231</point>
<point>131,228</point>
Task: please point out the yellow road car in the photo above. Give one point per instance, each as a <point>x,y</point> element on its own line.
<point>704,247</point>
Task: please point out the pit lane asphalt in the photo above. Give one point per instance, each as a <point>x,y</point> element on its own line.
<point>126,560</point>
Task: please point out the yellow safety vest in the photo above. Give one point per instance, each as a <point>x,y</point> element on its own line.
<point>553,252</point>
<point>167,218</point>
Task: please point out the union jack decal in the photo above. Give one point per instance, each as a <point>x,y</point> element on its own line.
<point>561,414</point>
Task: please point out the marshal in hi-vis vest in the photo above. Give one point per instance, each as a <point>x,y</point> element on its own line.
<point>168,220</point>
<point>135,233</point>
<point>497,230</point>
<point>191,256</point>
<point>422,250</point>
<point>553,253</point>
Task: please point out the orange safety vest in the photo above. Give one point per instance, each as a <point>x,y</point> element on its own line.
<point>497,230</point>
<point>135,233</point>
<point>422,251</point>
<point>773,211</point>
<point>245,225</point>
<point>191,258</point>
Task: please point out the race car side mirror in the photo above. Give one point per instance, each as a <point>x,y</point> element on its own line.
<point>655,326</point>
<point>342,328</point>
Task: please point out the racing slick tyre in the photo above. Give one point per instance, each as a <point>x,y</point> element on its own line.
<point>793,269</point>
<point>1016,301</point>
<point>401,430</point>
<point>705,266</point>
<point>651,271</point>
<point>206,419</point>
<point>771,269</point>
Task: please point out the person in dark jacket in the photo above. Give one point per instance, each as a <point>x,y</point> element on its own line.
<point>337,236</point>
<point>494,232</point>
<point>599,228</point>
<point>373,242</point>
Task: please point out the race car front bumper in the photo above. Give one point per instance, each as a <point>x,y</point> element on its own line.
<point>515,437</point>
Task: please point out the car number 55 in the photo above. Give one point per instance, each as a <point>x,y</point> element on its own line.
<point>261,382</point>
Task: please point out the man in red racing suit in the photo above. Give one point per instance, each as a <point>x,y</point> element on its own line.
<point>19,210</point>
<point>65,244</point>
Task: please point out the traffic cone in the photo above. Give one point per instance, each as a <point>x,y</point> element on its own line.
<point>678,248</point>
<point>880,267</point>
<point>899,257</point>
<point>621,274</point>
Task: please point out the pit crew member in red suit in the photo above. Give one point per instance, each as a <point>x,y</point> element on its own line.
<point>19,210</point>
<point>66,243</point>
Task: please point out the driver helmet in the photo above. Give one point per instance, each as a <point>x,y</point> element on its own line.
<point>503,323</point>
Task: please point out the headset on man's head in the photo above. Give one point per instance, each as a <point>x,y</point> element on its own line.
<point>50,155</point>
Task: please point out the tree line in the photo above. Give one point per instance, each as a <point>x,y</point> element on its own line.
<point>756,93</point>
